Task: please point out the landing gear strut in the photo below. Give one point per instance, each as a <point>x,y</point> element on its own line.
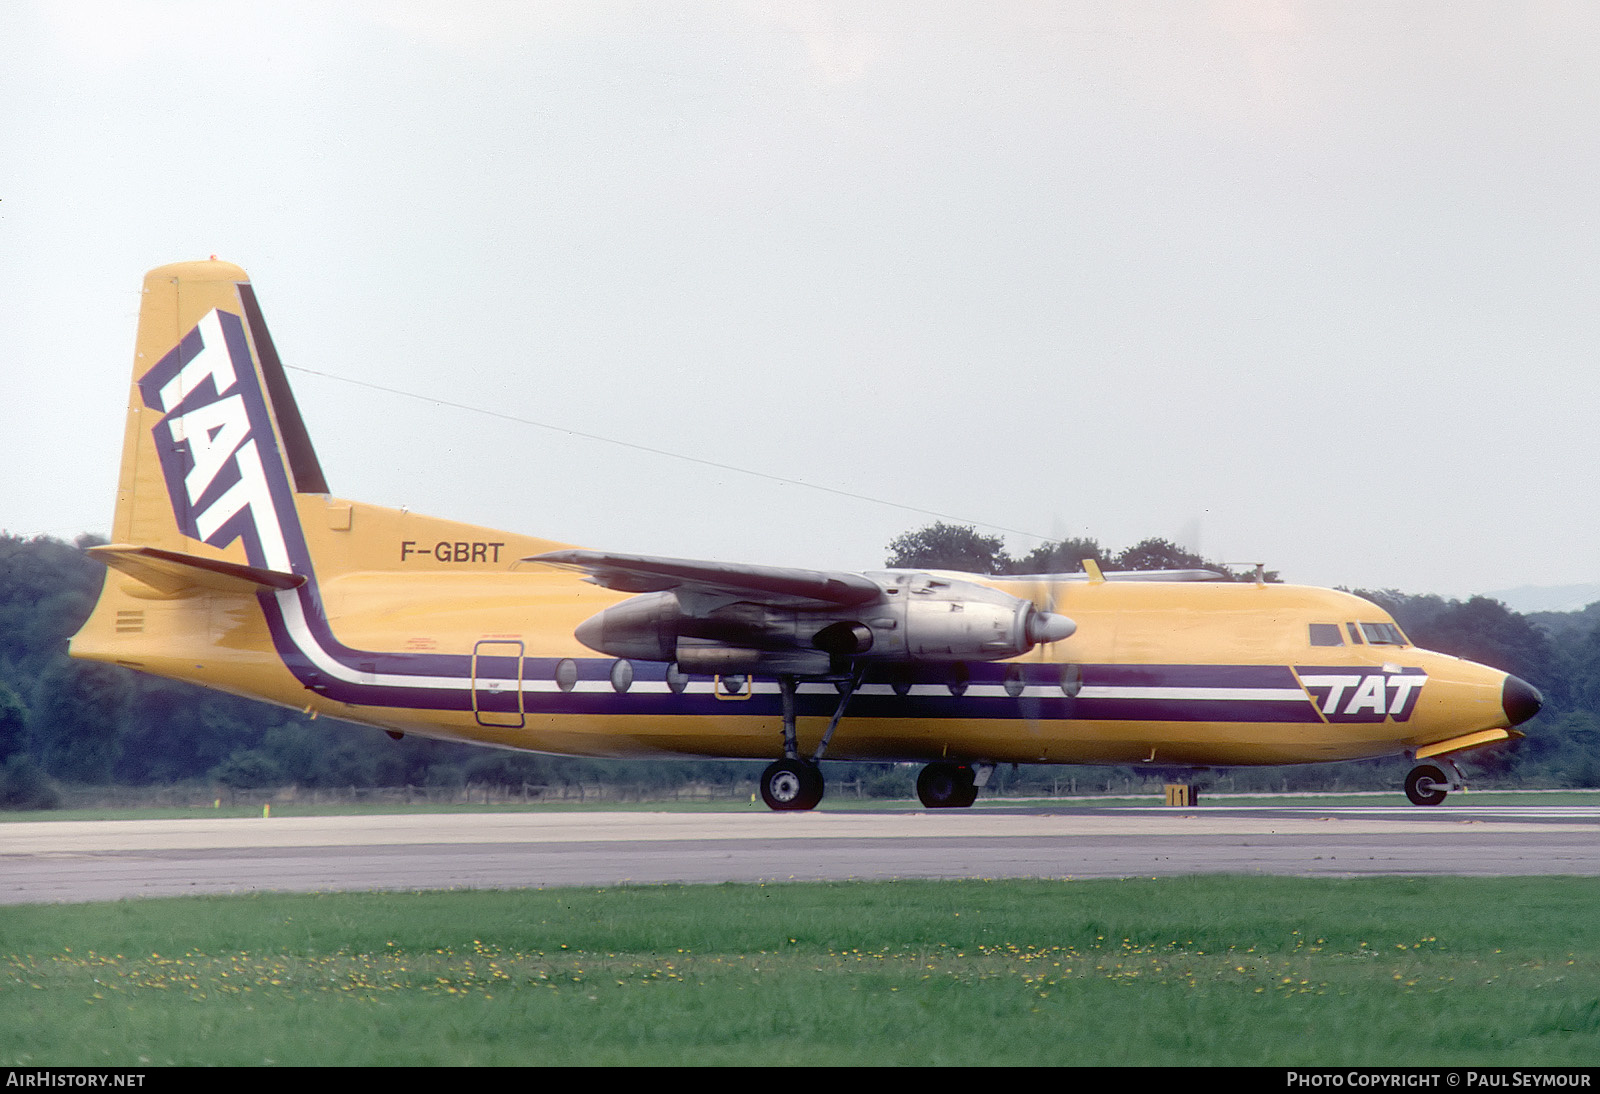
<point>795,782</point>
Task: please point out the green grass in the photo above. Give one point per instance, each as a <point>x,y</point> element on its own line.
<point>1177,971</point>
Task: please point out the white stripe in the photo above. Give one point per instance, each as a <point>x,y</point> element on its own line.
<point>1265,695</point>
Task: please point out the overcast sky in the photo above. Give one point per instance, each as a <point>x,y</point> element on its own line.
<point>1308,284</point>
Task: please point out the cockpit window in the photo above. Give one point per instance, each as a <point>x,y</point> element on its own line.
<point>1355,634</point>
<point>1383,634</point>
<point>1326,634</point>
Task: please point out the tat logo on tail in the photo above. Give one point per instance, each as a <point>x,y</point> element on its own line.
<point>224,474</point>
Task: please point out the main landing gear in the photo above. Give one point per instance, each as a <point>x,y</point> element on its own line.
<point>1428,783</point>
<point>794,782</point>
<point>947,786</point>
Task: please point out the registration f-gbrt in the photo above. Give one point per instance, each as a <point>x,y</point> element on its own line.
<point>233,566</point>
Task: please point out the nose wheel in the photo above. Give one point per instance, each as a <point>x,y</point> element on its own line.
<point>1427,785</point>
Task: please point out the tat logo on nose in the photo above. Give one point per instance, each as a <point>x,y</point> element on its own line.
<point>1344,695</point>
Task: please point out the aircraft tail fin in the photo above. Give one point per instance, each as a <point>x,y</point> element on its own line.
<point>221,495</point>
<point>215,445</point>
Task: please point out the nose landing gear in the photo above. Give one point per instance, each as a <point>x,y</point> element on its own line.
<point>1428,783</point>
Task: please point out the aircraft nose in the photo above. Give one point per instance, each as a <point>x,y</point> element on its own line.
<point>1520,700</point>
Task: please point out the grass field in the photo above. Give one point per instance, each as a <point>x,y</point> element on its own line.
<point>1176,971</point>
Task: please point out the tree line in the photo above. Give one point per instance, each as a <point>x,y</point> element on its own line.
<point>945,546</point>
<point>71,722</point>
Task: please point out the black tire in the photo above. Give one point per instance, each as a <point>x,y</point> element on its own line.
<point>1423,785</point>
<point>946,786</point>
<point>791,785</point>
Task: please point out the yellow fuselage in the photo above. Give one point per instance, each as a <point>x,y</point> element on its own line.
<point>1208,663</point>
<point>234,568</point>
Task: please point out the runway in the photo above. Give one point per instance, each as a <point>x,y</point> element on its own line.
<point>65,861</point>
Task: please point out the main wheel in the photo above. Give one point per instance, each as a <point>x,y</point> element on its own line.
<point>791,784</point>
<point>1426,785</point>
<point>946,786</point>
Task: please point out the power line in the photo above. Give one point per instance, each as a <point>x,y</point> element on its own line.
<point>661,452</point>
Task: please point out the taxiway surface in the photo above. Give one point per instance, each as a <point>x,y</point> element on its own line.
<point>65,861</point>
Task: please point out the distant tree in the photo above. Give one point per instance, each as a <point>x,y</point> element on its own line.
<point>1162,554</point>
<point>1158,554</point>
<point>174,731</point>
<point>13,723</point>
<point>508,768</point>
<point>46,591</point>
<point>1413,613</point>
<point>957,547</point>
<point>1062,557</point>
<point>1486,631</point>
<point>445,777</point>
<point>1563,751</point>
<point>77,714</point>
<point>1581,667</point>
<point>250,769</point>
<point>942,546</point>
<point>24,785</point>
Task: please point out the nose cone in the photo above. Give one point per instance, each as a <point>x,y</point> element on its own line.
<point>1520,700</point>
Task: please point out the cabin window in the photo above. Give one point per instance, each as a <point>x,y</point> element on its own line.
<point>1326,634</point>
<point>677,679</point>
<point>1014,684</point>
<point>1071,680</point>
<point>1383,634</point>
<point>567,674</point>
<point>958,678</point>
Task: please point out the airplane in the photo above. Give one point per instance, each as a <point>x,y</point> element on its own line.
<point>233,566</point>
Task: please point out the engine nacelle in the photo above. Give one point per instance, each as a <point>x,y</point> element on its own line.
<point>951,620</point>
<point>918,617</point>
<point>641,628</point>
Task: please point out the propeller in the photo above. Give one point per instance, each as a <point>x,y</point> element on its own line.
<point>1045,627</point>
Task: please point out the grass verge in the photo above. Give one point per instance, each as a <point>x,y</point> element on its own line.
<point>1205,970</point>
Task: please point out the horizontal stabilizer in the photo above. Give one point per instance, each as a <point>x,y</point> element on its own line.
<point>768,584</point>
<point>173,573</point>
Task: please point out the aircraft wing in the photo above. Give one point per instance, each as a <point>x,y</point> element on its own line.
<point>777,585</point>
<point>1119,575</point>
